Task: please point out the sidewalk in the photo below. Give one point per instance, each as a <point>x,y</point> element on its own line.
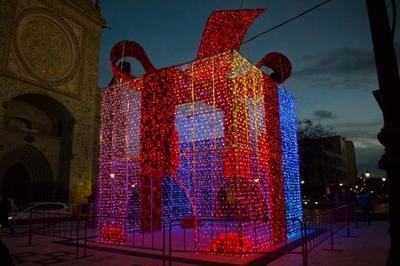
<point>369,246</point>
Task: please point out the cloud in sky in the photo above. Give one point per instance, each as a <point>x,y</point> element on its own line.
<point>363,134</point>
<point>340,68</point>
<point>340,81</point>
<point>340,61</point>
<point>323,114</point>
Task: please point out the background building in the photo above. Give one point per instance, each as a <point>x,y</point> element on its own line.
<point>325,163</point>
<point>48,98</point>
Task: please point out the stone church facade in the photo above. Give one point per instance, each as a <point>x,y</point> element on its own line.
<point>49,53</point>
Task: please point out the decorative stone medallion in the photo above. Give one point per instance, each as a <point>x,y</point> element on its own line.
<point>46,46</point>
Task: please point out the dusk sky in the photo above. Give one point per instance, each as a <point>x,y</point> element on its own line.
<point>330,50</point>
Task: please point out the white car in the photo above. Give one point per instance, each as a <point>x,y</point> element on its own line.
<point>40,210</point>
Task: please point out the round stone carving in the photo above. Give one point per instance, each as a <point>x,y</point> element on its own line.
<point>46,46</point>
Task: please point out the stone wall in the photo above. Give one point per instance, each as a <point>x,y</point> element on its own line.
<point>51,48</point>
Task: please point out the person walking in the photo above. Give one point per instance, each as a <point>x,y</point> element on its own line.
<point>5,256</point>
<point>5,209</point>
<point>366,205</point>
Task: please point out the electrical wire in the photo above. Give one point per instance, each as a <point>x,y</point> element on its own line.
<point>394,18</point>
<point>288,21</point>
<point>241,4</point>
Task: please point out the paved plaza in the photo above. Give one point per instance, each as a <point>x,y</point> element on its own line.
<point>368,245</point>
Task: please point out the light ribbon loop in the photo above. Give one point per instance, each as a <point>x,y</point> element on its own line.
<point>279,64</point>
<point>132,49</point>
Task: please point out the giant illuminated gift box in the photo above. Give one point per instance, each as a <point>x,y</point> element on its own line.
<point>215,137</point>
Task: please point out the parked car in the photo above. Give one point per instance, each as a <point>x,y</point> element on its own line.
<point>40,210</point>
<point>316,201</point>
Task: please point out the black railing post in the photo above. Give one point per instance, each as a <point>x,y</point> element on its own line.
<point>305,252</point>
<point>348,220</point>
<point>77,236</point>
<point>85,236</point>
<point>30,229</point>
<point>184,238</point>
<point>240,238</point>
<point>170,243</point>
<point>356,216</point>
<point>163,243</point>
<point>332,221</point>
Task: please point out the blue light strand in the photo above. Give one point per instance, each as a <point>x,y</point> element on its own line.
<point>290,160</point>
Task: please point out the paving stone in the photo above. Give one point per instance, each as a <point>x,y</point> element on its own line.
<point>368,246</point>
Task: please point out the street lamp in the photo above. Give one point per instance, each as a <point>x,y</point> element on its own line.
<point>302,182</point>
<point>367,174</point>
<point>384,179</point>
<point>340,184</point>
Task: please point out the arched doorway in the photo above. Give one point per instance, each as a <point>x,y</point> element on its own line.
<point>25,175</point>
<point>16,184</point>
<point>44,127</point>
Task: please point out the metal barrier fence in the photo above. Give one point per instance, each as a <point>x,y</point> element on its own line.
<point>63,226</point>
<point>258,233</point>
<point>82,230</point>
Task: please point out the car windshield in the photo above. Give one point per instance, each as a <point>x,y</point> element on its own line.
<point>25,207</point>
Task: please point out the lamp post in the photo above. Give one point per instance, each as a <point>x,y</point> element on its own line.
<point>386,96</point>
<point>367,174</point>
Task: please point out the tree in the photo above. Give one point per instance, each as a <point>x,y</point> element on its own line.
<point>306,129</point>
<point>312,141</point>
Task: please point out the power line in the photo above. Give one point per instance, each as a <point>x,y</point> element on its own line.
<point>241,4</point>
<point>287,21</point>
<point>394,18</point>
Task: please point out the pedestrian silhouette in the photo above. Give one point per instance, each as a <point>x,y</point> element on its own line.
<point>366,206</point>
<point>5,257</point>
<point>5,209</point>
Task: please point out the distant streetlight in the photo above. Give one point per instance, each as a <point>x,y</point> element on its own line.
<point>302,182</point>
<point>356,187</point>
<point>384,179</point>
<point>367,174</point>
<point>340,184</point>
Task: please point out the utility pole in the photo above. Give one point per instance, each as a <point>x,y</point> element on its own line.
<point>389,87</point>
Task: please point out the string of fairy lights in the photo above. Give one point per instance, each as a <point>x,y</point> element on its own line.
<point>211,138</point>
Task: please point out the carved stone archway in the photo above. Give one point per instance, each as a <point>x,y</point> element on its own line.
<point>26,170</point>
<point>51,137</point>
